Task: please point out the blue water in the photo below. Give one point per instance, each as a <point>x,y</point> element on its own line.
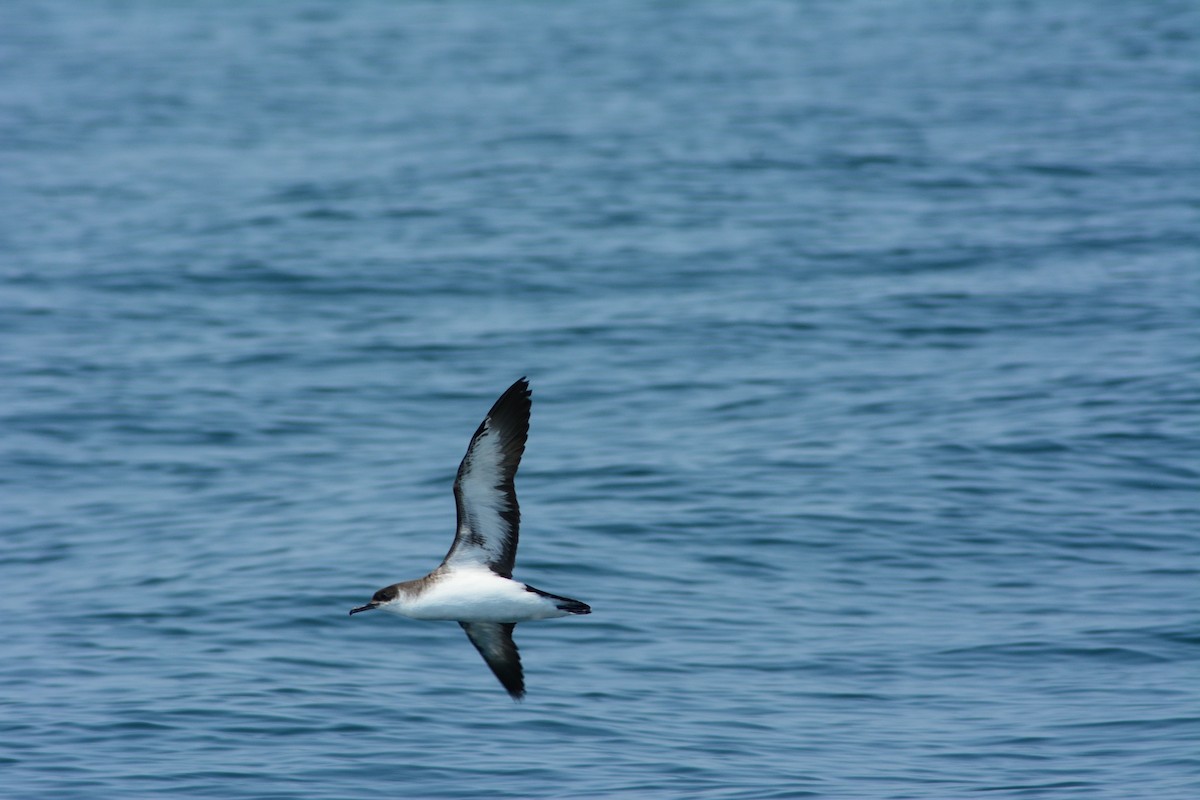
<point>863,339</point>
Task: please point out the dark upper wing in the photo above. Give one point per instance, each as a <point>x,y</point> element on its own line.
<point>494,642</point>
<point>488,517</point>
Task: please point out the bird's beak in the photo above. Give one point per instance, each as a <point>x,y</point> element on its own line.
<point>367,607</point>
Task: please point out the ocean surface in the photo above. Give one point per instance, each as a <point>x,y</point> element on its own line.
<point>865,346</point>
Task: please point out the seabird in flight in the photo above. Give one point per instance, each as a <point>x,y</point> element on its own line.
<point>474,585</point>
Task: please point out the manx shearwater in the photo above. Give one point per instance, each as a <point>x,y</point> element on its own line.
<point>474,585</point>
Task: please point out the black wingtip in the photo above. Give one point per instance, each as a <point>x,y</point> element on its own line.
<point>494,642</point>
<point>515,402</point>
<point>513,683</point>
<point>520,385</point>
<point>510,414</point>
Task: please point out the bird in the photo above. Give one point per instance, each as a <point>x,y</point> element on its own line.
<point>474,585</point>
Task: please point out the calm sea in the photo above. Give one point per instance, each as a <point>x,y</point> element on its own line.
<point>865,346</point>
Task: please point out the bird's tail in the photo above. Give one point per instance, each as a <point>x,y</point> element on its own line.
<point>563,603</point>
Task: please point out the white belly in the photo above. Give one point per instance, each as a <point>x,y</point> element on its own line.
<point>476,595</point>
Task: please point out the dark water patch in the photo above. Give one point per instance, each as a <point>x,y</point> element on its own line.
<point>414,212</point>
<point>1031,447</point>
<point>309,191</point>
<point>1038,789</point>
<point>1046,652</point>
<point>324,214</point>
<point>1058,170</point>
<point>1130,725</point>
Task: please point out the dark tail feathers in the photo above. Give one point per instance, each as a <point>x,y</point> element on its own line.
<point>563,603</point>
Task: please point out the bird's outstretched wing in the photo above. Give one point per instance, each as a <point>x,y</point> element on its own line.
<point>488,516</point>
<point>494,642</point>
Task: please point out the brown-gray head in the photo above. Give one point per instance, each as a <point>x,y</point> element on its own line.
<point>384,596</point>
